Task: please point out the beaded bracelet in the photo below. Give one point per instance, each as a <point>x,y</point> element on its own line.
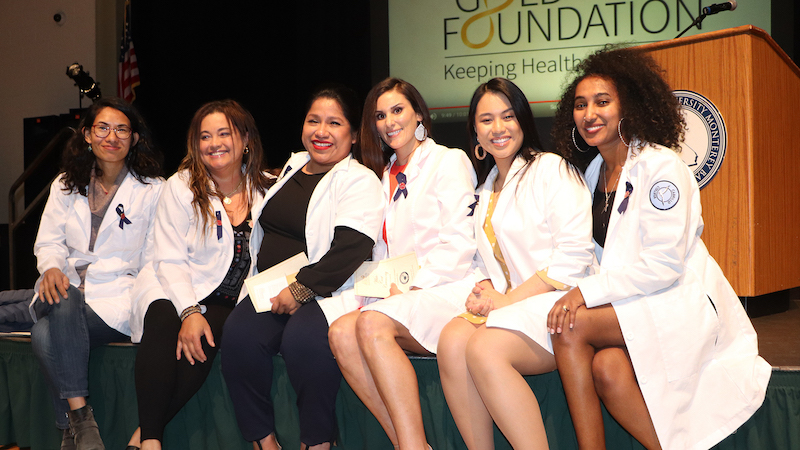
<point>189,311</point>
<point>301,293</point>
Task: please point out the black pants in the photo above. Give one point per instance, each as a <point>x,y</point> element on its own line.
<point>251,340</point>
<point>164,384</point>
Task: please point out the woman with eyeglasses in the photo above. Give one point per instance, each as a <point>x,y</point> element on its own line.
<point>95,235</point>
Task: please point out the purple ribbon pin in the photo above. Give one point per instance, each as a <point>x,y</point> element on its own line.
<point>628,190</point>
<point>219,225</point>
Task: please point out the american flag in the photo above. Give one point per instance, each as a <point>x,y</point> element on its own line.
<point>128,72</point>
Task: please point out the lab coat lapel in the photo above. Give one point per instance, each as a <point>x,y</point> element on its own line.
<point>121,199</point>
<point>616,216</point>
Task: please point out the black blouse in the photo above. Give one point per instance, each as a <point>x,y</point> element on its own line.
<point>284,223</point>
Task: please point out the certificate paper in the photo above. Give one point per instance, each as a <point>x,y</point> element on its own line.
<point>272,281</point>
<point>373,279</point>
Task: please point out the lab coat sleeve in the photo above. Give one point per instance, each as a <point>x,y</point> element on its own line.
<point>360,202</point>
<point>148,253</point>
<point>171,236</point>
<point>454,192</point>
<point>50,247</point>
<point>569,220</point>
<point>665,236</point>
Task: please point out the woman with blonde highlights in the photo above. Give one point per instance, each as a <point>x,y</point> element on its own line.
<point>201,259</point>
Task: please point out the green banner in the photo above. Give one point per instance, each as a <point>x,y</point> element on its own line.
<point>446,48</point>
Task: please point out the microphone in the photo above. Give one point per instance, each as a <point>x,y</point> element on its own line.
<point>719,7</point>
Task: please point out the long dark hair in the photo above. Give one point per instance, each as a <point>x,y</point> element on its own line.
<point>255,162</point>
<point>651,111</point>
<point>77,162</point>
<point>531,146</point>
<point>375,152</point>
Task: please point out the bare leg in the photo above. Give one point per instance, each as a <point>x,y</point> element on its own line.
<point>151,444</point>
<point>465,403</point>
<point>616,385</point>
<point>574,353</point>
<point>136,439</point>
<point>497,359</point>
<point>342,339</point>
<point>267,443</point>
<point>76,403</point>
<point>382,340</point>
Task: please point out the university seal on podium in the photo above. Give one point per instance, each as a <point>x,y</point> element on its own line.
<point>706,137</point>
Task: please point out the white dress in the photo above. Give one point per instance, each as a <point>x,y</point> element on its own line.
<point>543,224</point>
<point>435,221</point>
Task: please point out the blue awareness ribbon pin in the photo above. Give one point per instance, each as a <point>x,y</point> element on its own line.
<point>122,219</point>
<point>401,186</point>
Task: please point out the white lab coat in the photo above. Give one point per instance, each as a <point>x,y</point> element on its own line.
<point>436,222</point>
<point>432,221</point>
<point>118,255</point>
<point>349,195</point>
<point>698,368</point>
<point>542,222</point>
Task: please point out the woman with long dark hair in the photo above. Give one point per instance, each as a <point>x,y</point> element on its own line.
<point>533,229</point>
<point>429,194</point>
<point>94,237</point>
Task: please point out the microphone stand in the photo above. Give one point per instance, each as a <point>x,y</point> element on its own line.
<point>697,21</point>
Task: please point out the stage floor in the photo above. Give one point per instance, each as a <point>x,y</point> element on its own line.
<point>779,335</point>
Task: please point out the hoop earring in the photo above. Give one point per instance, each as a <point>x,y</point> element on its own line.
<point>619,131</point>
<point>480,153</point>
<point>575,143</point>
<point>246,149</point>
<point>420,133</point>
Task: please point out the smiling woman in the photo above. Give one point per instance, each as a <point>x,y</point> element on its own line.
<point>327,205</point>
<point>96,233</point>
<point>201,260</point>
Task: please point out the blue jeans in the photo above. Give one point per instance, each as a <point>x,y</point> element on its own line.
<point>62,338</point>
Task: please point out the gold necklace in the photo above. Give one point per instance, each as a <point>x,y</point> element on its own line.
<point>226,198</point>
<point>608,192</point>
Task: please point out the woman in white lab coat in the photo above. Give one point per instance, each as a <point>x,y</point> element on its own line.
<point>201,259</point>
<point>327,205</point>
<point>429,190</point>
<point>657,333</point>
<point>533,227</point>
<point>95,235</point>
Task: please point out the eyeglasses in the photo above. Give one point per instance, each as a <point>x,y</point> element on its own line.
<point>102,131</point>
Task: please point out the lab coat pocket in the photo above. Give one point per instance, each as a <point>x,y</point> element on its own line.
<point>686,327</point>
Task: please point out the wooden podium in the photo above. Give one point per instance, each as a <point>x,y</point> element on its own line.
<point>752,207</point>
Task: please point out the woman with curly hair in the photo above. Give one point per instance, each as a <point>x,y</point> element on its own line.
<point>94,237</point>
<point>201,258</point>
<point>656,333</point>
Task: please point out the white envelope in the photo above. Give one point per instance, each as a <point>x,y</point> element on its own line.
<point>373,279</point>
<point>269,283</point>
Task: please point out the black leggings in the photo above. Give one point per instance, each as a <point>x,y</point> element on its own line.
<point>164,384</point>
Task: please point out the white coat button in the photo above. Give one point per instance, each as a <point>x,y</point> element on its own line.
<point>629,336</point>
<point>643,380</point>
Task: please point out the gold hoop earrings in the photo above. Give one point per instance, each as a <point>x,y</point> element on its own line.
<point>480,153</point>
